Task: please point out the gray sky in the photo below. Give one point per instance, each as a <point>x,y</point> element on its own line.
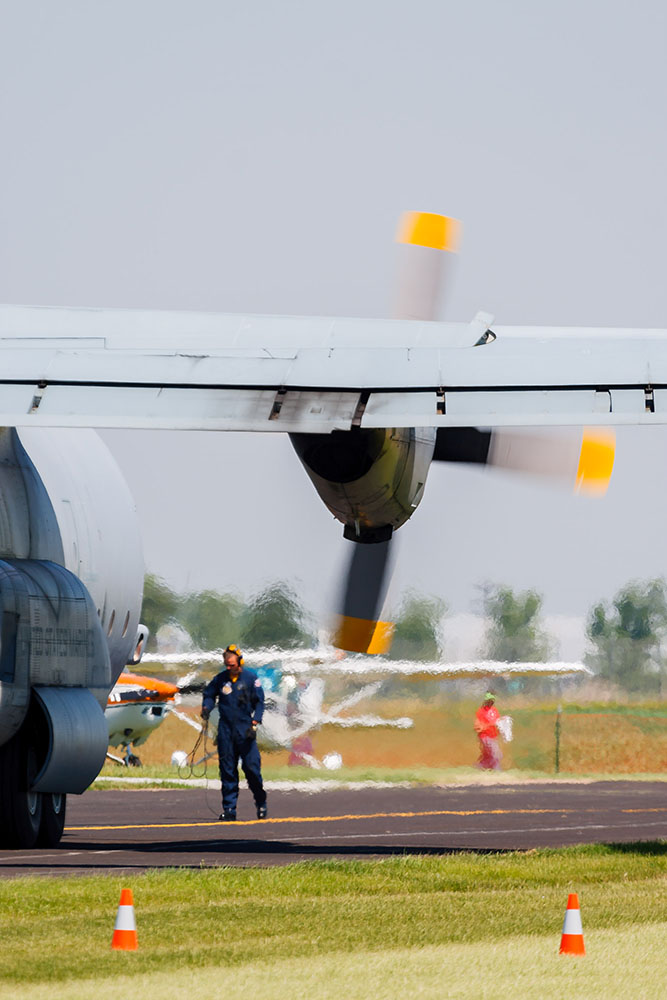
<point>255,157</point>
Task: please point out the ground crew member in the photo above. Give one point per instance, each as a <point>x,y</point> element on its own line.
<point>241,706</point>
<point>486,719</point>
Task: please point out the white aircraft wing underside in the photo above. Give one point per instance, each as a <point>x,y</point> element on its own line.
<point>327,662</point>
<point>192,371</point>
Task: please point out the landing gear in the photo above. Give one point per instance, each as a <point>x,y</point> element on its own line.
<point>20,808</point>
<point>51,828</point>
<point>128,760</point>
<point>27,818</point>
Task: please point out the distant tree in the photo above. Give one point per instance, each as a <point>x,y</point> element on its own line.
<point>213,620</point>
<point>627,637</point>
<point>514,634</point>
<point>160,605</point>
<point>417,628</point>
<point>275,617</point>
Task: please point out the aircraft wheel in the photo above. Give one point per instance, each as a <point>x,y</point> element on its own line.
<point>20,808</point>
<point>133,761</point>
<point>51,828</point>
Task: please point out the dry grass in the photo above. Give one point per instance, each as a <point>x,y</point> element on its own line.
<point>442,737</point>
<point>613,742</point>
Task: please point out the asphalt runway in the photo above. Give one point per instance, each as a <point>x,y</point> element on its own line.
<point>125,831</point>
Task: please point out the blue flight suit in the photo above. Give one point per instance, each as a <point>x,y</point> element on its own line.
<point>240,703</point>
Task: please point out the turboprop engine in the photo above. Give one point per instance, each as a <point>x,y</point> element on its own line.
<point>371,480</point>
<point>71,576</point>
<point>55,672</point>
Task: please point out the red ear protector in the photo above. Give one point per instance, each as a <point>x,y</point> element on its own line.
<point>236,651</point>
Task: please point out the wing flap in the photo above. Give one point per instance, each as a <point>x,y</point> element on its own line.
<point>47,404</point>
<point>176,408</point>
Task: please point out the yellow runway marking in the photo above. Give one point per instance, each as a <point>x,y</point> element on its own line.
<point>646,809</point>
<point>350,816</point>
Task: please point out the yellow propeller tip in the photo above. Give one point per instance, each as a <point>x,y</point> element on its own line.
<point>428,230</point>
<point>596,461</point>
<point>358,635</point>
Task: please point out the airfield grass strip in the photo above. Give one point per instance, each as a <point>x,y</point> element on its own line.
<point>60,929</point>
<point>619,963</point>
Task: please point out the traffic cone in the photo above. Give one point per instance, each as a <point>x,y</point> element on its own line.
<point>572,939</point>
<point>125,929</point>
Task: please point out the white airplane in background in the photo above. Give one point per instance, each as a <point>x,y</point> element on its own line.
<point>294,685</point>
<point>368,404</point>
<point>332,661</point>
<point>136,707</point>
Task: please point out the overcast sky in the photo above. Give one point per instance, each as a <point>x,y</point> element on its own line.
<point>255,157</point>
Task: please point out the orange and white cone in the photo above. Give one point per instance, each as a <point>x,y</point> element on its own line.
<point>125,929</point>
<point>572,940</point>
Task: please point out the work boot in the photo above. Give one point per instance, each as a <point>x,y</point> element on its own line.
<point>227,817</point>
<point>262,812</point>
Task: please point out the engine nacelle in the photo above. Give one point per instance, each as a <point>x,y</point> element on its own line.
<point>71,574</point>
<point>52,645</point>
<point>371,480</point>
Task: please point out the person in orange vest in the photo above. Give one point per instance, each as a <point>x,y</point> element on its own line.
<point>486,727</point>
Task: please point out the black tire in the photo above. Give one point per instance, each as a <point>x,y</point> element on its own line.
<point>133,761</point>
<point>54,805</point>
<point>20,809</point>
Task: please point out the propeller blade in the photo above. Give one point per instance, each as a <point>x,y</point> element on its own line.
<point>195,687</point>
<point>596,461</point>
<point>428,242</point>
<point>584,459</point>
<point>358,629</point>
<point>423,268</point>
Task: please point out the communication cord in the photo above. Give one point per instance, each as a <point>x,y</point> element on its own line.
<point>190,769</point>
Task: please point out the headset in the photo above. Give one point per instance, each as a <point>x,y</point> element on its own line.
<point>236,652</point>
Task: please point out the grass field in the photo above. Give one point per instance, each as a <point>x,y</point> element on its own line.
<point>601,740</point>
<point>619,965</point>
<point>457,926</point>
<point>460,925</point>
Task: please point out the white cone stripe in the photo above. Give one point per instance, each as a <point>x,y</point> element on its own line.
<point>125,919</point>
<point>572,922</point>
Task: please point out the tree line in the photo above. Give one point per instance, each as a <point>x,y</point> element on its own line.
<point>626,634</point>
<point>272,617</point>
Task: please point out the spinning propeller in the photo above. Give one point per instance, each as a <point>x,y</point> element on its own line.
<point>427,244</point>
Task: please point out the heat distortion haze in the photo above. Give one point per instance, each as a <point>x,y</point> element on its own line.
<point>332,407</point>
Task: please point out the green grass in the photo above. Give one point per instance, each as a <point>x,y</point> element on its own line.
<point>59,930</point>
<point>619,963</point>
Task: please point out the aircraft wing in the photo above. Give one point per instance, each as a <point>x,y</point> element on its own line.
<point>328,662</point>
<point>207,371</point>
<point>475,669</point>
